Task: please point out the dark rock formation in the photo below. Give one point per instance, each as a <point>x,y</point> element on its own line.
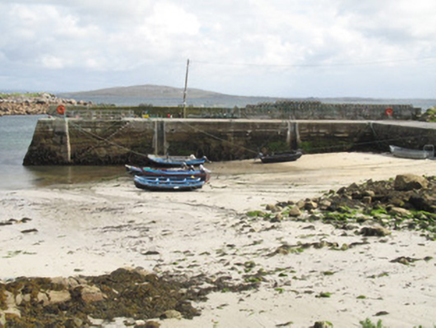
<point>407,202</point>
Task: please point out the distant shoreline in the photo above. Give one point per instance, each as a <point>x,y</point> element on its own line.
<point>31,103</point>
<point>154,95</point>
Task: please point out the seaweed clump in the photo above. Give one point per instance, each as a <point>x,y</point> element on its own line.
<point>72,302</point>
<point>407,202</point>
<point>133,294</point>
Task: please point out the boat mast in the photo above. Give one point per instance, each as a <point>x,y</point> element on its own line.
<point>185,92</point>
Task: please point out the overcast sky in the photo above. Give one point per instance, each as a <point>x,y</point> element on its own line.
<point>280,48</point>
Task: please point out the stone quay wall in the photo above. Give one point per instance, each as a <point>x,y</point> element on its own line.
<point>316,110</point>
<point>59,141</point>
<point>279,110</point>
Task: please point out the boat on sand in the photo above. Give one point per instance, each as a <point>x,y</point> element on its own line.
<point>426,152</point>
<point>168,183</point>
<point>288,156</point>
<point>175,161</point>
<point>200,172</point>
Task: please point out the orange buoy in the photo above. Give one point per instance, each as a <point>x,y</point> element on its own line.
<point>389,111</point>
<point>61,109</point>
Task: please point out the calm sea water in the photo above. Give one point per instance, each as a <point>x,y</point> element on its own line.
<point>16,134</point>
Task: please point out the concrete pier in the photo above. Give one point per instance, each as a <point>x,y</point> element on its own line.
<point>57,141</point>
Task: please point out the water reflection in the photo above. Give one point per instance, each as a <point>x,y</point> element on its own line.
<point>43,176</point>
<point>15,137</point>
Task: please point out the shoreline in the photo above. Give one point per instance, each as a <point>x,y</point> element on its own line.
<point>95,228</point>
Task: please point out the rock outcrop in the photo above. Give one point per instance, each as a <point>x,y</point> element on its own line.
<point>76,301</point>
<point>407,202</point>
<point>32,104</point>
<point>407,182</point>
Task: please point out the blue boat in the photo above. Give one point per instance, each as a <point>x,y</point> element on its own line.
<point>175,161</point>
<point>201,172</point>
<point>168,183</point>
<point>134,170</point>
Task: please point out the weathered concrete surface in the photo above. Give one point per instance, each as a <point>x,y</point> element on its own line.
<point>86,142</point>
<point>316,110</point>
<point>280,110</point>
<point>50,143</point>
<point>407,134</point>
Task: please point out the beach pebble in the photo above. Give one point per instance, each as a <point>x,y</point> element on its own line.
<point>277,218</point>
<point>150,324</point>
<point>366,200</point>
<point>377,231</point>
<point>399,211</point>
<point>91,294</point>
<point>57,297</point>
<point>301,204</point>
<point>273,208</point>
<point>368,193</point>
<point>324,204</point>
<point>294,211</point>
<point>73,323</point>
<point>171,314</point>
<point>310,205</point>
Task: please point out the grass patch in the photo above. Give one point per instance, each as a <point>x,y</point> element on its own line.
<point>367,323</point>
<point>18,94</point>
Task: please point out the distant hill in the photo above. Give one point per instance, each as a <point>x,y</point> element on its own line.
<point>162,96</point>
<point>158,95</point>
<point>148,91</point>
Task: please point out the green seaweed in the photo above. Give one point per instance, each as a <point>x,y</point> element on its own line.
<point>324,295</point>
<point>367,323</point>
<point>255,214</point>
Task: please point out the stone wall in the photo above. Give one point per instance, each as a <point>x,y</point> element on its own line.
<point>50,143</point>
<point>411,137</point>
<point>284,110</point>
<point>99,142</point>
<point>85,142</point>
<point>45,103</point>
<point>315,110</point>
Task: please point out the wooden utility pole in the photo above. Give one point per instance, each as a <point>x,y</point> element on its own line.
<point>185,92</point>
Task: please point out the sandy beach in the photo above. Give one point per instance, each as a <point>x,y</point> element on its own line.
<point>91,229</point>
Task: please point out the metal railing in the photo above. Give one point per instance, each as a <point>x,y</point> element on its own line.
<point>87,113</point>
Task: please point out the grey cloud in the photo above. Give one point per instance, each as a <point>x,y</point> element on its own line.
<point>238,47</point>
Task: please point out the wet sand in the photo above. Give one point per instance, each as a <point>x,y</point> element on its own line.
<point>95,228</point>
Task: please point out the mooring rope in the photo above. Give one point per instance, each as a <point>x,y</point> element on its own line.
<point>102,140</point>
<point>218,138</point>
<point>342,146</point>
<point>376,141</point>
